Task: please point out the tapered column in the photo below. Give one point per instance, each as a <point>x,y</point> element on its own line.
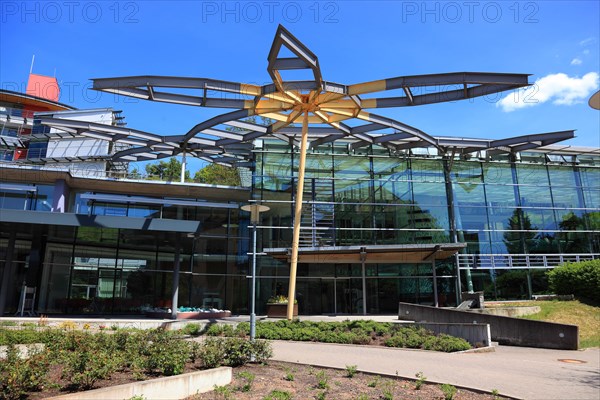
<point>176,267</point>
<point>297,219</point>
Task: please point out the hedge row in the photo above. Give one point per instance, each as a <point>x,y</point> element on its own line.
<point>581,279</point>
<point>347,332</point>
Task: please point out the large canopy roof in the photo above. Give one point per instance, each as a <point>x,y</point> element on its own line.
<point>336,111</point>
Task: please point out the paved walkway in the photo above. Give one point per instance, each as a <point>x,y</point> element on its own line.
<point>519,372</point>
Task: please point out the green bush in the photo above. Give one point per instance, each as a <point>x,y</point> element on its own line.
<point>191,329</point>
<point>21,375</point>
<point>581,279</point>
<point>220,330</point>
<point>233,352</point>
<point>21,336</point>
<point>278,395</point>
<point>85,367</point>
<point>420,338</point>
<point>448,390</point>
<point>348,332</point>
<point>166,353</point>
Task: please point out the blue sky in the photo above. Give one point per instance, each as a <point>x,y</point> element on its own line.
<point>557,42</point>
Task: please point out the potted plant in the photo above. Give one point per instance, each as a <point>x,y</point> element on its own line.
<point>277,307</point>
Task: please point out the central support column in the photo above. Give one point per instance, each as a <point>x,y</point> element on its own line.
<point>297,219</point>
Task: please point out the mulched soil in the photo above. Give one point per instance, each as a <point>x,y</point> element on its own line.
<point>340,387</point>
<point>58,386</point>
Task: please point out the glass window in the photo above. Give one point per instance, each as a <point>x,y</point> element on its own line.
<point>562,176</point>
<point>37,150</point>
<point>590,177</point>
<point>44,198</point>
<point>14,200</point>
<point>497,173</point>
<point>427,170</point>
<point>532,174</point>
<point>535,196</point>
<point>592,198</point>
<point>500,195</point>
<point>429,193</point>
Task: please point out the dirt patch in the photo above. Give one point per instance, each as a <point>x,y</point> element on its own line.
<point>58,386</point>
<point>324,383</point>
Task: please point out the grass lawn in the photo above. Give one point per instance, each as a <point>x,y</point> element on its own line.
<point>574,312</point>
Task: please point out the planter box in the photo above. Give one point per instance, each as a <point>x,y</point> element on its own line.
<point>279,310</point>
<point>169,387</point>
<point>190,315</point>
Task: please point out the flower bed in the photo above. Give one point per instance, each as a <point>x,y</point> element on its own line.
<point>188,313</point>
<point>72,360</point>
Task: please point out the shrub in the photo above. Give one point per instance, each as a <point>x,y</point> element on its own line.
<point>420,380</point>
<point>289,375</point>
<point>373,383</point>
<point>388,391</point>
<point>166,353</point>
<point>351,370</point>
<point>220,330</point>
<point>68,325</point>
<point>21,375</point>
<point>191,329</point>
<point>448,390</point>
<point>322,380</point>
<point>19,336</point>
<point>83,368</point>
<point>417,337</point>
<point>278,395</point>
<point>223,391</point>
<point>233,352</point>
<point>581,279</point>
<point>249,378</point>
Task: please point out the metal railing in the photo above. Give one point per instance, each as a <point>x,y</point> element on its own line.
<point>519,261</point>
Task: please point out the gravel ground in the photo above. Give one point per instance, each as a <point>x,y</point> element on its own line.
<point>322,383</point>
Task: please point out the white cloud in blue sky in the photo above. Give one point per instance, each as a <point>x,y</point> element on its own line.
<point>560,89</point>
<point>576,61</point>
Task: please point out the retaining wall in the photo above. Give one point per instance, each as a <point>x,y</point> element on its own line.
<point>170,387</point>
<point>478,335</point>
<point>505,330</point>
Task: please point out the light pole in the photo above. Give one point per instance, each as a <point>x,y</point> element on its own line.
<point>255,210</point>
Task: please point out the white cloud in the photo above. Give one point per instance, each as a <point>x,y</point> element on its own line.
<point>576,61</point>
<point>586,52</point>
<point>560,89</point>
<point>586,41</point>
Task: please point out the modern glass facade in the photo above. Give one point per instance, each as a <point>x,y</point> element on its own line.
<point>507,208</point>
<point>121,254</point>
<point>110,270</point>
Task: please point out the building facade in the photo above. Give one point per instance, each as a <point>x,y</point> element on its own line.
<point>89,246</point>
<point>389,212</point>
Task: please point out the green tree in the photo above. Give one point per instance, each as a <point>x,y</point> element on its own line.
<point>512,238</point>
<point>166,171</point>
<point>135,174</point>
<point>216,174</point>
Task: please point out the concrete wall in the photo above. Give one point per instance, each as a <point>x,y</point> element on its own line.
<point>505,330</point>
<point>478,335</point>
<point>171,387</point>
<point>506,311</point>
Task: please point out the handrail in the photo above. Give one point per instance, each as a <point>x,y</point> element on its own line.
<point>519,261</point>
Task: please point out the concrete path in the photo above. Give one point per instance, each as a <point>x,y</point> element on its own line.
<point>519,372</point>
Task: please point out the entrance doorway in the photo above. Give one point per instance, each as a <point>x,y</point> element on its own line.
<point>330,295</point>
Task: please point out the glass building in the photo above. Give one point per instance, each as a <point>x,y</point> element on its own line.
<point>389,212</point>
<point>90,247</point>
<point>517,217</point>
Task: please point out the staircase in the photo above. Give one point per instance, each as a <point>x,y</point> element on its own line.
<point>318,214</point>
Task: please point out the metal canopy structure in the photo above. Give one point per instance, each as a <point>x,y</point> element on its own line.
<point>371,254</point>
<point>334,111</point>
